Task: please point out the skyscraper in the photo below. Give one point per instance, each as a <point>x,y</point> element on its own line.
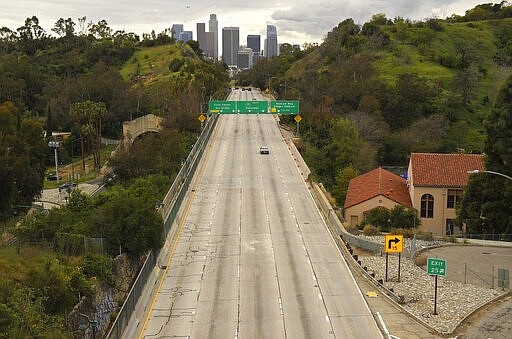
<point>186,36</point>
<point>213,27</point>
<point>176,31</point>
<point>244,58</point>
<point>230,44</point>
<point>271,47</point>
<point>201,35</point>
<point>254,43</point>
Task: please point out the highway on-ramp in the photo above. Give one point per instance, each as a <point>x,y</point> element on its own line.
<point>254,258</point>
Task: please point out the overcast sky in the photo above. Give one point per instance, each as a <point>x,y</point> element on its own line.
<point>297,21</point>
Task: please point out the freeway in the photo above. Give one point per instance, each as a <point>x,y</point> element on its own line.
<point>254,258</point>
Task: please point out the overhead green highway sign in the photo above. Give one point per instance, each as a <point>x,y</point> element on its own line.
<point>284,107</point>
<point>222,107</point>
<point>252,106</point>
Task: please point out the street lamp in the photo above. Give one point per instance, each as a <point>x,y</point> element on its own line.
<point>55,145</point>
<point>475,171</point>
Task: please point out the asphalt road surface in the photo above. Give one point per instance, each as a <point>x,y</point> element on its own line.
<point>254,258</point>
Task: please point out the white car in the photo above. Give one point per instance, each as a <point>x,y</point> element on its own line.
<point>264,150</point>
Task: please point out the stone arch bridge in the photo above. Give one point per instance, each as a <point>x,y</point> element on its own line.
<point>145,124</point>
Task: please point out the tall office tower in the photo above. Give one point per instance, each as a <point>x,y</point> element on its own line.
<point>186,36</point>
<point>254,43</point>
<point>201,35</point>
<point>213,27</point>
<point>230,44</point>
<point>244,58</point>
<point>176,31</point>
<point>271,48</point>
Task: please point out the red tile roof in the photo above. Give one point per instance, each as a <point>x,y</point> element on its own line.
<point>443,170</point>
<point>375,183</point>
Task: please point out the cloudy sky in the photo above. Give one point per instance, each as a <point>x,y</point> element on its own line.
<point>297,21</point>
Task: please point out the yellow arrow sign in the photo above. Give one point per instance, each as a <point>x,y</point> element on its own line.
<point>394,244</point>
<point>202,118</point>
<point>298,118</point>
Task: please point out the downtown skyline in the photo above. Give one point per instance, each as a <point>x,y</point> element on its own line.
<point>298,22</point>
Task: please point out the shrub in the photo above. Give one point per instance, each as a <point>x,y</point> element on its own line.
<point>407,233</point>
<point>370,230</point>
<point>351,229</point>
<point>421,260</point>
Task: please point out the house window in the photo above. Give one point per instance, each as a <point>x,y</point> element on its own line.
<point>427,206</point>
<point>454,197</point>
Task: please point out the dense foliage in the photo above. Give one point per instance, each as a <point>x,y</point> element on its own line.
<point>86,79</point>
<point>485,206</point>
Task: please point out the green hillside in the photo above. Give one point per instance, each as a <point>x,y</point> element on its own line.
<point>396,87</point>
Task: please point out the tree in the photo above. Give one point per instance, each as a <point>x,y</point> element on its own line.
<point>485,206</point>
<point>341,182</point>
<point>88,115</point>
<point>132,223</point>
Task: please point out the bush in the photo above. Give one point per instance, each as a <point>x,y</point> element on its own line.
<point>425,236</point>
<point>351,229</point>
<point>407,233</point>
<point>99,266</point>
<point>421,260</point>
<point>370,230</point>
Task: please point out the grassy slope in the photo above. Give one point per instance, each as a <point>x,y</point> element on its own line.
<point>405,57</point>
<point>153,62</point>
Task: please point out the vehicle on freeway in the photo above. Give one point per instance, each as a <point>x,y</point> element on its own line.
<point>264,150</point>
<point>53,176</point>
<point>68,186</point>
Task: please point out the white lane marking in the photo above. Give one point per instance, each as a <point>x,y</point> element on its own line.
<point>320,296</point>
<point>327,318</point>
<point>238,272</point>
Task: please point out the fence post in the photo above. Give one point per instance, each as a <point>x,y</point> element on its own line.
<point>465,272</point>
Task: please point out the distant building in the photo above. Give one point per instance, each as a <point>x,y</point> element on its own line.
<point>245,58</point>
<point>271,46</point>
<point>254,43</point>
<point>176,31</point>
<point>201,35</point>
<point>186,36</point>
<point>213,27</point>
<point>230,44</point>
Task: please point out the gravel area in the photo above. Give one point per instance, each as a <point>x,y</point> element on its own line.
<point>454,300</point>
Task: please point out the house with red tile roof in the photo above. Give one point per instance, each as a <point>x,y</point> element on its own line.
<point>436,182</point>
<point>377,188</point>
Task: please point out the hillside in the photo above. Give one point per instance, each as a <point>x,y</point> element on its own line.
<point>406,87</point>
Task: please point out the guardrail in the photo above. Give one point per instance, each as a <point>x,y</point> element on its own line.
<point>169,209</point>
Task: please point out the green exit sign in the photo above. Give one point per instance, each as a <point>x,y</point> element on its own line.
<point>222,107</point>
<point>253,106</point>
<point>284,107</point>
<point>436,266</point>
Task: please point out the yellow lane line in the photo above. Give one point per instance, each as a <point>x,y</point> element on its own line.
<point>180,230</point>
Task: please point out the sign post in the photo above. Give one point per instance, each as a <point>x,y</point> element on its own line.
<point>393,244</point>
<point>436,267</point>
<point>298,119</point>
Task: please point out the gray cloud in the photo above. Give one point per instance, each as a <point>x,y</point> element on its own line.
<point>296,21</point>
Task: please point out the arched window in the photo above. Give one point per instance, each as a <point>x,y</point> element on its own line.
<point>427,206</point>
